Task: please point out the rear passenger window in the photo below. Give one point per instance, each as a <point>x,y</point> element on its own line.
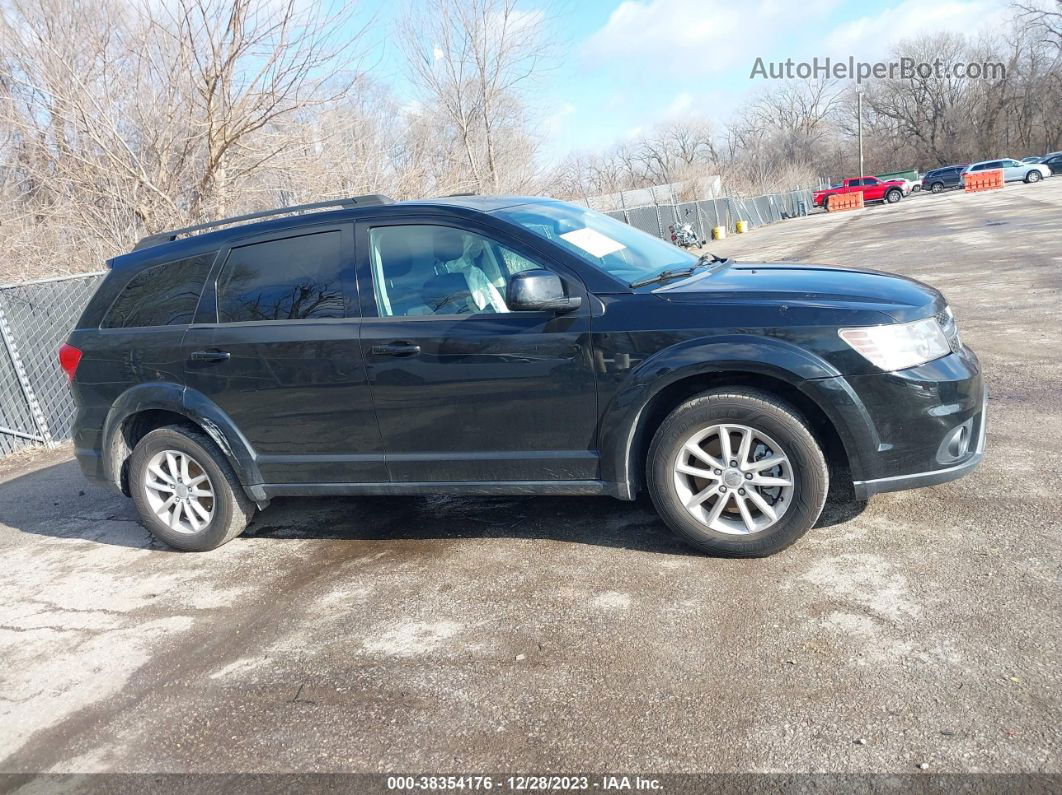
<point>162,295</point>
<point>297,278</point>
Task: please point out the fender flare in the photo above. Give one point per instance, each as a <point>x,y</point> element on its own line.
<point>197,409</point>
<point>814,377</point>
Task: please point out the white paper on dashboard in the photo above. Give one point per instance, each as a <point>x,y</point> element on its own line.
<point>593,242</point>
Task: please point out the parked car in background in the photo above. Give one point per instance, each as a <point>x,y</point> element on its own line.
<point>912,182</point>
<point>1032,159</point>
<point>1013,170</point>
<point>941,179</point>
<point>1053,160</point>
<point>872,188</point>
<point>508,345</point>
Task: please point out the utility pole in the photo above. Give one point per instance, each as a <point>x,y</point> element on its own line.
<point>859,124</point>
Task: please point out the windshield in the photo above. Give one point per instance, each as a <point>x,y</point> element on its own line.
<point>620,250</point>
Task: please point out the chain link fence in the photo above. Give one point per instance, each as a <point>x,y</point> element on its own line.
<point>36,408</point>
<point>724,212</point>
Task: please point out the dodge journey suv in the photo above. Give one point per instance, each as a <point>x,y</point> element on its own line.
<point>487,345</point>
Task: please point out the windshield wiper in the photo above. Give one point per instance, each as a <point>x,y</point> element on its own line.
<point>674,273</point>
<point>663,276</point>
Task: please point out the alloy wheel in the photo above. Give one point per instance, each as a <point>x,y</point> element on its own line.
<point>179,491</point>
<point>734,479</point>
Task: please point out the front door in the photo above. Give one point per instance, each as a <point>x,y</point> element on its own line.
<point>464,389</point>
<point>275,347</point>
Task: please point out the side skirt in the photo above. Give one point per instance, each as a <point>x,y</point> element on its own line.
<point>267,491</point>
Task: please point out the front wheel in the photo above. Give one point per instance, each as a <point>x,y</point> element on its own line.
<point>937,187</point>
<point>185,491</point>
<point>893,196</point>
<point>737,472</point>
<point>1033,176</point>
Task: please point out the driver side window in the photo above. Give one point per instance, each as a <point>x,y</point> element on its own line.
<point>427,270</point>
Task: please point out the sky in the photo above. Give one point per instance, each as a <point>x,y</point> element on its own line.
<point>627,65</point>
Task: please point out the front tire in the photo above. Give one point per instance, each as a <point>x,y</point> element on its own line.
<point>736,472</point>
<point>937,187</point>
<point>893,196</point>
<point>1033,176</point>
<point>185,491</point>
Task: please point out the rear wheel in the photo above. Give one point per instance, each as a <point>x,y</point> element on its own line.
<point>1033,176</point>
<point>185,491</point>
<point>737,472</point>
<point>894,196</point>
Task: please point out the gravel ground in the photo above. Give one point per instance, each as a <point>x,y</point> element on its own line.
<point>561,634</point>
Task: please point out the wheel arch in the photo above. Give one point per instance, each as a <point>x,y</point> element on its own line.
<point>812,387</point>
<point>145,407</point>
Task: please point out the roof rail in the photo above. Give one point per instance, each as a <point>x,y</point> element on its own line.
<point>367,200</point>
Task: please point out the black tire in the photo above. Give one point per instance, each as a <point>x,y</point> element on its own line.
<point>1033,176</point>
<point>232,510</point>
<point>893,196</point>
<point>763,412</point>
<point>937,187</point>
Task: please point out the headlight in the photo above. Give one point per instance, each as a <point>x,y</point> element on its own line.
<point>898,346</point>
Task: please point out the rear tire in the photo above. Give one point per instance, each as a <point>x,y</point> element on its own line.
<point>778,431</point>
<point>185,491</point>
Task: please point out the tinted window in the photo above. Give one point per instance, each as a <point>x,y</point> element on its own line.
<point>440,270</point>
<point>297,278</point>
<point>162,295</point>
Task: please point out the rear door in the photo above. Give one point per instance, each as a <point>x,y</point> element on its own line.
<point>275,347</point>
<point>465,389</point>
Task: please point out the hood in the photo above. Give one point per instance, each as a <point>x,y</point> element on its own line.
<point>900,298</point>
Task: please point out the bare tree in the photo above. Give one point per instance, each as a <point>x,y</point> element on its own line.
<point>1044,18</point>
<point>472,60</point>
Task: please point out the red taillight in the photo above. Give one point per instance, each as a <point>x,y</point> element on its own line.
<point>69,357</point>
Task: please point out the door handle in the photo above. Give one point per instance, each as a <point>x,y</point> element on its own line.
<point>209,356</point>
<point>395,349</point>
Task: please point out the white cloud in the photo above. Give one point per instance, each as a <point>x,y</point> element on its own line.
<point>553,124</point>
<point>680,105</point>
<point>871,36</point>
<point>690,37</point>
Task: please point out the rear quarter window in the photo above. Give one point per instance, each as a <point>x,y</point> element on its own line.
<point>296,278</point>
<point>161,295</point>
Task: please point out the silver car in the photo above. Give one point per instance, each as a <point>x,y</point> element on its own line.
<point>1013,170</point>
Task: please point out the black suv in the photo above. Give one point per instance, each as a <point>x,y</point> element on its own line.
<point>939,179</point>
<point>487,345</point>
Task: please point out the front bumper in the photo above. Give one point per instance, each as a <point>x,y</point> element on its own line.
<point>864,489</point>
<point>926,424</point>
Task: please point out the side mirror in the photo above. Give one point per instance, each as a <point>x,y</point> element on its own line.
<point>539,291</point>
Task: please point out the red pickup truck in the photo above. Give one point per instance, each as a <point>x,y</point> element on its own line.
<point>874,190</point>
